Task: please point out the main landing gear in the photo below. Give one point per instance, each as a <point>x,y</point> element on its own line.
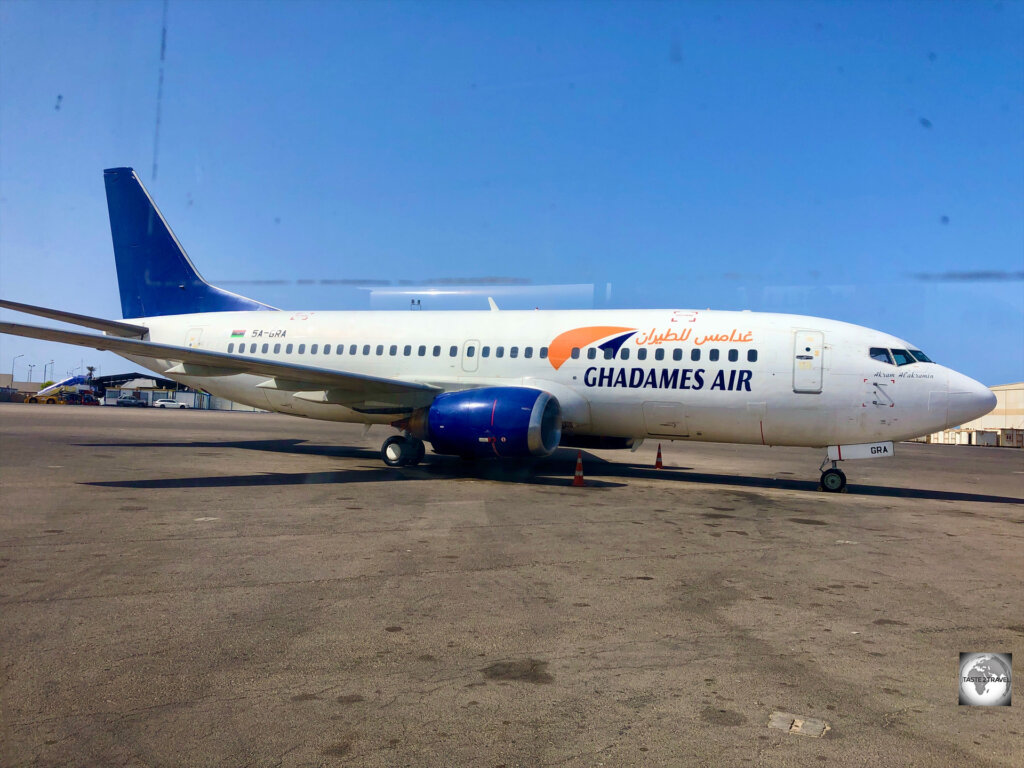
<point>402,451</point>
<point>833,479</point>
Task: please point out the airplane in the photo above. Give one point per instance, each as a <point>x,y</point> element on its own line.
<point>509,384</point>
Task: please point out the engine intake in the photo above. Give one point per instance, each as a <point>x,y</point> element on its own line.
<point>492,421</point>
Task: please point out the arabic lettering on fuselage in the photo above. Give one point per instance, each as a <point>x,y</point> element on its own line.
<point>733,336</point>
<point>653,337</point>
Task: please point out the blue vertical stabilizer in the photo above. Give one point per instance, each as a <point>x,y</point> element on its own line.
<point>154,274</point>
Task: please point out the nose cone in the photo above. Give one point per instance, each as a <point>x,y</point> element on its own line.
<point>968,399</point>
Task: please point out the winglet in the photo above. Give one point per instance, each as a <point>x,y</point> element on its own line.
<point>494,307</point>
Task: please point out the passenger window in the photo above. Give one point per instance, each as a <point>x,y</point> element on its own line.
<point>252,349</point>
<point>340,349</point>
<point>920,356</point>
<point>380,350</point>
<point>641,354</point>
<point>659,354</point>
<point>313,349</point>
<point>609,353</point>
<point>277,349</point>
<point>902,357</point>
<point>695,354</point>
<point>302,349</point>
<point>453,351</point>
<point>499,352</point>
<point>288,349</point>
<point>407,350</point>
<point>393,350</point>
<point>751,355</point>
<point>734,355</point>
<point>575,353</point>
<point>265,348</point>
<point>528,352</point>
<point>231,348</point>
<point>881,354</point>
<point>327,349</point>
<point>366,349</point>
<point>470,351</point>
<point>624,354</point>
<point>543,353</point>
<point>514,352</point>
<point>591,353</point>
<point>422,350</point>
<point>677,354</point>
<point>437,350</point>
<point>713,355</point>
<point>485,351</point>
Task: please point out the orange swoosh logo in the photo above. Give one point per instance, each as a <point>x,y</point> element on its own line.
<point>562,345</point>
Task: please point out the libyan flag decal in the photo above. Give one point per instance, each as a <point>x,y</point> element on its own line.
<point>237,334</point>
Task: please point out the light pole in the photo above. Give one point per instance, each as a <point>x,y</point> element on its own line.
<point>30,367</point>
<point>12,369</point>
<point>51,369</point>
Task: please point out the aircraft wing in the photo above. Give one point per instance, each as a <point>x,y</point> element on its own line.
<point>334,386</point>
<point>113,327</point>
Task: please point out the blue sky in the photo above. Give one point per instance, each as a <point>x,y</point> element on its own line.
<point>794,157</point>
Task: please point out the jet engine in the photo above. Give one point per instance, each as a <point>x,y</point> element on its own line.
<point>492,421</point>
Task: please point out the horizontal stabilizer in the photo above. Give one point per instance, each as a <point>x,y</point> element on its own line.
<point>308,375</point>
<point>113,327</point>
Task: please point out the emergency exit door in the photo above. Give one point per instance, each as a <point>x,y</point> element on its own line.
<point>471,355</point>
<point>807,361</point>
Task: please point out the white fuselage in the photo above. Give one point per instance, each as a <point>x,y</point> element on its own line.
<point>741,377</point>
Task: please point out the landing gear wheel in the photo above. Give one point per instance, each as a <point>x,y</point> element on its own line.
<point>395,452</point>
<point>416,452</point>
<point>833,480</point>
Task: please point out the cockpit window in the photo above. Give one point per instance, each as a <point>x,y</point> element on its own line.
<point>881,354</point>
<point>903,357</point>
<point>920,356</point>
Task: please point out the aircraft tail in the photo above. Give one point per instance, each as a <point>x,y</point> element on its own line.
<point>154,274</point>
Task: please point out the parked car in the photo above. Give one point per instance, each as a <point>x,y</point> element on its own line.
<point>131,402</point>
<point>78,398</point>
<point>165,403</point>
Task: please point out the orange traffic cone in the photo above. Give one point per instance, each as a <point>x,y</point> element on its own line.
<point>657,461</point>
<point>577,481</point>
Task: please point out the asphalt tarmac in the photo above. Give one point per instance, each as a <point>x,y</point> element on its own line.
<point>198,588</point>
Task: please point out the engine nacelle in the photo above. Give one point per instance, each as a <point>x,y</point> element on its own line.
<point>493,421</point>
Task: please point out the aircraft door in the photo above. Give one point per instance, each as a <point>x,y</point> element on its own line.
<point>194,337</point>
<point>470,355</point>
<point>807,361</point>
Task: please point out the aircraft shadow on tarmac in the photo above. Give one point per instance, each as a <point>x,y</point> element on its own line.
<point>555,470</point>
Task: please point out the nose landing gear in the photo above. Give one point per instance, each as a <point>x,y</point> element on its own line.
<point>833,479</point>
<point>402,451</point>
